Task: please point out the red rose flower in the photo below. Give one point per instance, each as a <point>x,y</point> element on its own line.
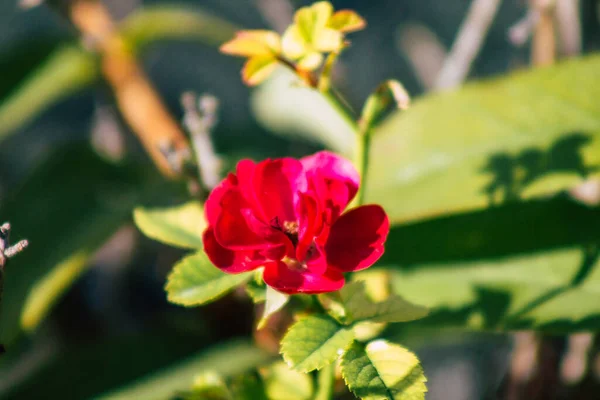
<point>286,215</point>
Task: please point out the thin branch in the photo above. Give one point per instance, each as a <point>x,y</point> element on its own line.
<point>7,251</point>
<point>521,31</point>
<point>574,363</point>
<point>468,43</point>
<point>568,24</point>
<point>543,48</point>
<point>138,101</point>
<point>200,118</point>
<point>424,51</point>
<point>278,13</point>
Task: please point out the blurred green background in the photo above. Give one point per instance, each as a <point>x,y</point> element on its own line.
<point>84,310</point>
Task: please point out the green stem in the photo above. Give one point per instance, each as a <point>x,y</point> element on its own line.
<point>341,106</point>
<point>326,382</point>
<point>361,161</point>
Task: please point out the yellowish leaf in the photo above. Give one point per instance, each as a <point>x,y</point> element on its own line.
<point>346,21</point>
<point>328,40</point>
<point>311,61</point>
<point>310,20</point>
<point>257,69</point>
<point>253,43</point>
<point>293,44</point>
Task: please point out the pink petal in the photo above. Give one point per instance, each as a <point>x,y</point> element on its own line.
<point>230,261</point>
<point>276,186</point>
<point>212,207</point>
<point>269,233</point>
<point>289,280</point>
<point>334,179</point>
<point>309,224</point>
<point>245,174</point>
<point>231,228</point>
<point>356,239</point>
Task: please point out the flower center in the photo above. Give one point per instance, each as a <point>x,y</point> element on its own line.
<point>294,264</point>
<point>289,228</point>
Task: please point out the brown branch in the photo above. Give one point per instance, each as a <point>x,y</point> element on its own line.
<point>467,44</point>
<point>138,101</point>
<point>543,48</point>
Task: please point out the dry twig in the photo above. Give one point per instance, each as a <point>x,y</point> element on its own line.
<point>468,43</point>
<point>7,251</point>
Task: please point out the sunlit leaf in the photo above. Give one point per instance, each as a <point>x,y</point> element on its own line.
<point>315,341</point>
<point>286,108</point>
<point>346,21</point>
<point>209,385</point>
<point>293,43</point>
<point>383,371</point>
<point>283,383</point>
<point>195,281</point>
<point>327,40</point>
<point>311,61</point>
<point>274,301</point>
<point>179,226</point>
<point>528,265</point>
<point>521,136</point>
<point>248,387</point>
<point>310,20</point>
<point>357,306</point>
<point>380,101</point>
<point>253,43</point>
<point>257,69</point>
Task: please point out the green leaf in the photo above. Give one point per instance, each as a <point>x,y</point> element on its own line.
<point>383,370</point>
<point>283,383</point>
<point>521,136</point>
<point>526,265</point>
<point>150,24</point>
<point>179,226</point>
<point>357,306</point>
<point>315,341</point>
<point>71,68</point>
<point>536,291</point>
<point>91,369</point>
<point>286,108</point>
<point>256,291</point>
<point>310,20</point>
<point>67,71</point>
<point>66,213</point>
<point>195,281</point>
<point>388,93</point>
<point>165,383</point>
<point>274,301</point>
<point>325,383</point>
<point>248,387</point>
<point>210,386</point>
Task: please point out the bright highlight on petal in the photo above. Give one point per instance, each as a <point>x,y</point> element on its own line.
<point>287,215</point>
